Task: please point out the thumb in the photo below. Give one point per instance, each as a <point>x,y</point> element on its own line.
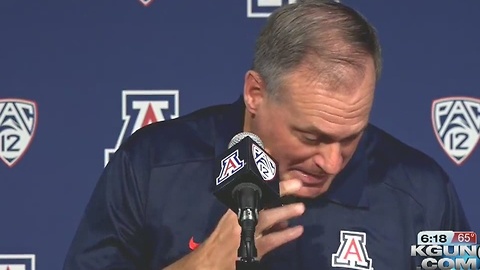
<point>287,187</point>
<point>290,186</point>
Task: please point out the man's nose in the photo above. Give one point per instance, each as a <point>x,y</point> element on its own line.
<point>329,158</point>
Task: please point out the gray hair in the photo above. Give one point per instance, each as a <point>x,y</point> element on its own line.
<point>325,35</point>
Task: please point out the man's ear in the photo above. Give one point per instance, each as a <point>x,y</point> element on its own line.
<point>254,91</point>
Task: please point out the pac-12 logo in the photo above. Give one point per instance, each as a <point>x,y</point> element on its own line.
<point>17,262</point>
<point>456,122</point>
<point>230,165</point>
<point>263,8</point>
<point>143,107</point>
<point>18,121</point>
<point>265,164</point>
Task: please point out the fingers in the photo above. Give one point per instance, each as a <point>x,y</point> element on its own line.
<point>273,230</point>
<point>289,187</point>
<point>223,242</point>
<point>282,225</point>
<point>229,220</point>
<point>267,218</point>
<point>273,240</point>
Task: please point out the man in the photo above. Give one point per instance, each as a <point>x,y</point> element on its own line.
<point>308,97</point>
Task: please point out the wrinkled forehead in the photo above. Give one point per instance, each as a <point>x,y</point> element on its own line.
<point>327,117</point>
<point>336,101</point>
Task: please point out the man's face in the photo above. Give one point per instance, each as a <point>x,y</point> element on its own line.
<point>312,130</point>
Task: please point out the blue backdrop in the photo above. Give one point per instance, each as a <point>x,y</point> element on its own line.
<point>76,77</point>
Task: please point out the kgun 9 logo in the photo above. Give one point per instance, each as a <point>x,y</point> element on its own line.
<point>447,250</point>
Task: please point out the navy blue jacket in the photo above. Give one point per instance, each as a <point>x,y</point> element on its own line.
<point>155,195</point>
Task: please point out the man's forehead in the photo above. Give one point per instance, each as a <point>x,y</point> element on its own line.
<point>328,129</point>
<point>331,78</point>
<point>324,118</point>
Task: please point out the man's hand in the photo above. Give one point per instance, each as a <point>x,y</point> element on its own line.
<point>219,251</point>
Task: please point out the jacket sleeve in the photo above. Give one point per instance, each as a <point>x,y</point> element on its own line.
<point>110,232</point>
<point>444,209</point>
<point>453,216</point>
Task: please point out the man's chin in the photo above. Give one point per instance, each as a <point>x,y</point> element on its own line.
<point>311,192</point>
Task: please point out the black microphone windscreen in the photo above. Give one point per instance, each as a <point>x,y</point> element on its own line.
<point>245,161</point>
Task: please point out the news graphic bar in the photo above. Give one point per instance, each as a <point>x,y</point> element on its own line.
<point>464,238</point>
<point>446,238</point>
<point>446,250</point>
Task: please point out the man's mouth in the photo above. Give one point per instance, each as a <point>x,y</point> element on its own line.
<point>312,179</point>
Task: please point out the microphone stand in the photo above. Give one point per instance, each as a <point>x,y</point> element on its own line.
<point>248,195</point>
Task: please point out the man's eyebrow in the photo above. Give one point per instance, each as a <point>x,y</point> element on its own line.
<point>324,135</point>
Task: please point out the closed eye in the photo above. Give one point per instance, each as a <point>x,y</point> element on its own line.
<point>316,137</point>
<point>310,139</point>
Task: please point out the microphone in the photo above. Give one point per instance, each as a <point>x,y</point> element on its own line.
<point>246,166</point>
<point>247,180</point>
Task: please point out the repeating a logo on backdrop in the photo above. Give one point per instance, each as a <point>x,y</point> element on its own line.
<point>18,121</point>
<point>17,262</point>
<point>143,107</point>
<point>456,122</point>
<point>263,8</point>
<point>146,2</point>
